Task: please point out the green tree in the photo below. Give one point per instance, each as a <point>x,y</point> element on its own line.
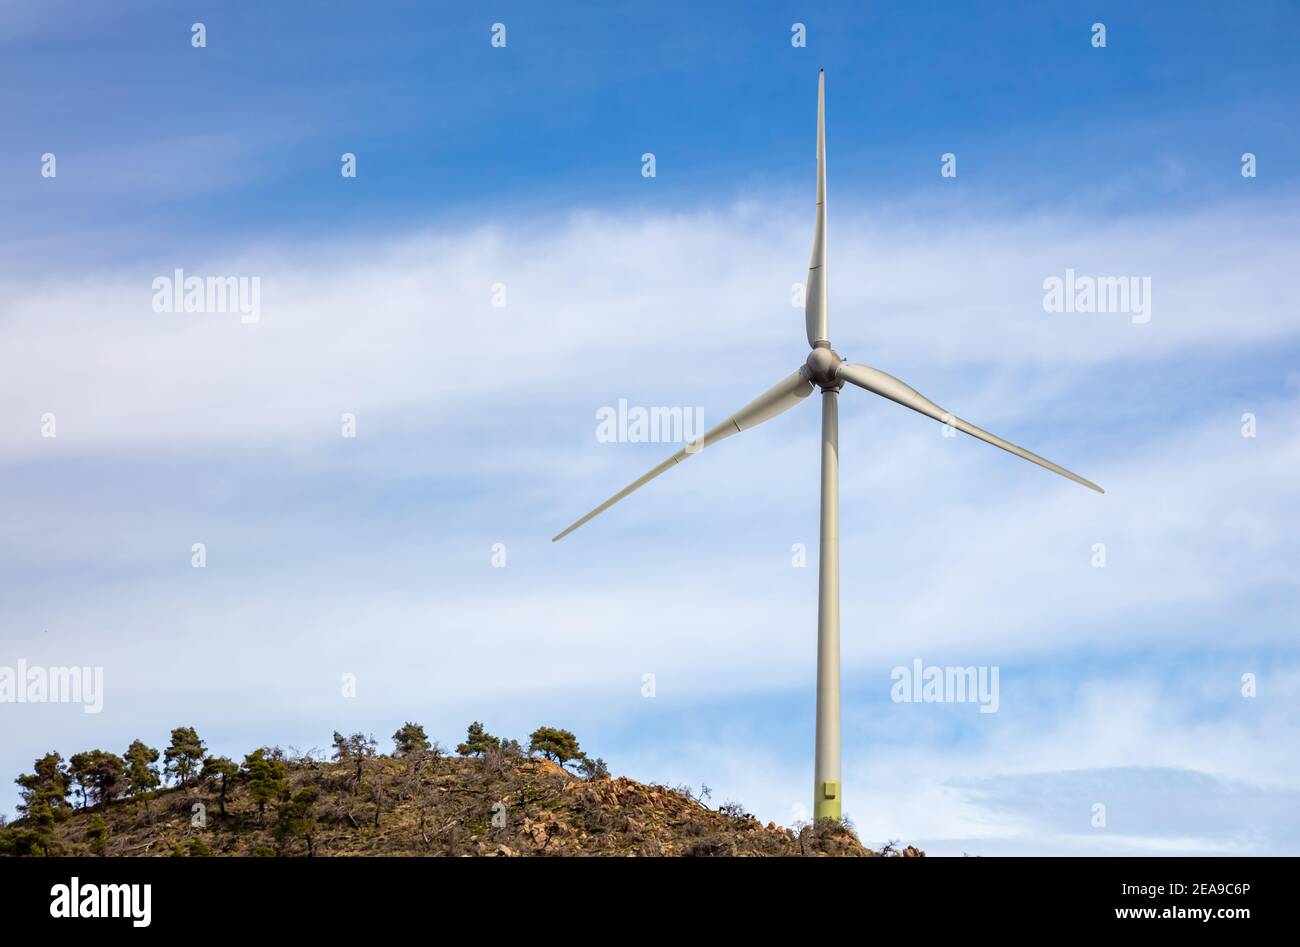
<point>478,741</point>
<point>199,849</point>
<point>355,750</point>
<point>220,770</point>
<point>267,780</point>
<point>184,756</point>
<point>296,818</point>
<point>47,787</point>
<point>410,738</point>
<point>43,801</point>
<point>79,780</point>
<point>101,775</point>
<point>555,744</point>
<point>97,835</point>
<point>18,841</point>
<point>42,817</point>
<point>141,769</point>
<point>593,769</point>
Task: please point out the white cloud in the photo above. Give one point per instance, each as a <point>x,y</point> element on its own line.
<point>477,426</point>
<point>598,304</point>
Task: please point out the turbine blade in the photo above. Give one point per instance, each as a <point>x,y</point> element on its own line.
<point>815,314</point>
<point>781,397</point>
<point>887,386</point>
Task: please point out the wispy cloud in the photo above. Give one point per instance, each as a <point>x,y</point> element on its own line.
<point>476,426</point>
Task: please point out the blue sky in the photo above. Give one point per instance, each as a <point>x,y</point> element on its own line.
<point>522,166</point>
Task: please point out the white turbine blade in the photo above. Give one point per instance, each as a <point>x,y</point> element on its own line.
<point>779,398</point>
<point>887,386</point>
<point>815,294</point>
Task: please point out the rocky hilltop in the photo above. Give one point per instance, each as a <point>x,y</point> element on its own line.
<point>422,802</point>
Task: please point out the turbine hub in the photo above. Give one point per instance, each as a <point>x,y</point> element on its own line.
<point>822,364</point>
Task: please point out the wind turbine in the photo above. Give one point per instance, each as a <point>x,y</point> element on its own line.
<point>825,369</point>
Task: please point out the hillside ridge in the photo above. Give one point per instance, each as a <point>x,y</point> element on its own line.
<point>494,799</point>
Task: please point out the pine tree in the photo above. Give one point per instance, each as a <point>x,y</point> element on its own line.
<point>410,738</point>
<point>101,775</point>
<point>221,770</point>
<point>43,801</point>
<point>555,744</point>
<point>97,835</point>
<point>141,769</point>
<point>79,780</point>
<point>478,741</point>
<point>184,756</point>
<point>48,784</point>
<point>296,818</point>
<point>354,749</point>
<point>20,841</point>
<point>267,780</point>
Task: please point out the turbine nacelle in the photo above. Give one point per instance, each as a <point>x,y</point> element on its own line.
<point>823,366</point>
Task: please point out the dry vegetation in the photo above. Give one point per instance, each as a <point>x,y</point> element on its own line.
<point>428,803</point>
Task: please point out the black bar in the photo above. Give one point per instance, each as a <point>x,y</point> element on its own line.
<point>924,895</point>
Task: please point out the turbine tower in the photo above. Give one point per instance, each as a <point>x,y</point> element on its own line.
<point>825,369</point>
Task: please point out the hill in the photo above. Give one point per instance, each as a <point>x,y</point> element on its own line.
<point>422,802</point>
